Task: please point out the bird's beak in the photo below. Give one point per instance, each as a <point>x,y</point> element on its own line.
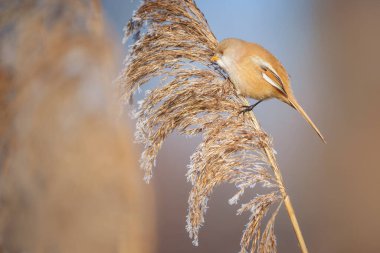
<point>214,58</point>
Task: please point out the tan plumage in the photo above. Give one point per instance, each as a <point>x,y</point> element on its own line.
<point>258,74</point>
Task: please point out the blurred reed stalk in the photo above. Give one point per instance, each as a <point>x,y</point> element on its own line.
<point>172,41</point>
<point>69,175</point>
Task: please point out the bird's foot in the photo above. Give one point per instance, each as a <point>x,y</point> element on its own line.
<point>247,108</point>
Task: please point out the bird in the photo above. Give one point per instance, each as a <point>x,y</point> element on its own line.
<point>258,74</point>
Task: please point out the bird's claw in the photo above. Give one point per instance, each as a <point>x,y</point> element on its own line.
<point>247,108</point>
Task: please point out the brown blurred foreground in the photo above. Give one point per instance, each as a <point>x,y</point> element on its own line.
<point>69,178</point>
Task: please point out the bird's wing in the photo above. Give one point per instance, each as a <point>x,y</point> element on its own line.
<point>273,79</point>
<point>269,74</point>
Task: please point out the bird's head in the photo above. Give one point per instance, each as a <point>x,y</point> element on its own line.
<point>235,55</point>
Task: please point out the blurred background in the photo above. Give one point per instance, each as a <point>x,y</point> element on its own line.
<point>331,50</point>
<point>64,158</point>
<point>69,176</point>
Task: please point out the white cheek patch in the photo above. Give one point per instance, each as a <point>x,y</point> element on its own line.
<point>221,63</point>
<point>225,62</point>
<point>272,82</point>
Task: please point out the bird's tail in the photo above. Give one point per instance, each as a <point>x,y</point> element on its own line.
<point>297,106</point>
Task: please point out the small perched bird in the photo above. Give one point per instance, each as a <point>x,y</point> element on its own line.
<point>256,73</point>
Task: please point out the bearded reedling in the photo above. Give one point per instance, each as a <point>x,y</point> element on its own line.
<point>257,74</point>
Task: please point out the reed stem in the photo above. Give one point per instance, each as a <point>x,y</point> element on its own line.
<point>296,227</point>
<point>288,203</point>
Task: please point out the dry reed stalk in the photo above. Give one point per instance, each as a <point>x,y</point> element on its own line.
<point>69,181</point>
<point>172,40</point>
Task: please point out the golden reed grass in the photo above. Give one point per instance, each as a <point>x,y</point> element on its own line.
<point>69,177</point>
<point>172,41</point>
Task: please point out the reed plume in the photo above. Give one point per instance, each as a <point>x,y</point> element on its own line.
<point>69,176</point>
<point>173,42</point>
